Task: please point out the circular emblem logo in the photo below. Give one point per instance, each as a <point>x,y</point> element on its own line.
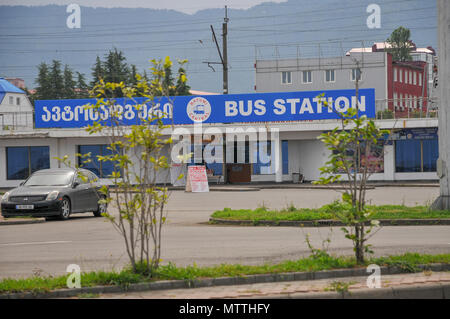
<point>198,109</point>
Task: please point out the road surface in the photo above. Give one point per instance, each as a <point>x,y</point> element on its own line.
<point>93,244</point>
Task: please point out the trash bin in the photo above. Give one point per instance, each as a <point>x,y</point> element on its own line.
<point>297,178</point>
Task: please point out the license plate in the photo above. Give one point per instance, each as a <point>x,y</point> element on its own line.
<point>24,206</point>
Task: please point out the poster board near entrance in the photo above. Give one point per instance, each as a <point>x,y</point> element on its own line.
<point>197,180</point>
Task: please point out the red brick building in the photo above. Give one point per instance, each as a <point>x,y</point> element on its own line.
<point>407,86</point>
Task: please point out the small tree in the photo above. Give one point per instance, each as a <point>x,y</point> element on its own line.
<point>137,152</point>
<point>347,143</point>
<point>181,87</point>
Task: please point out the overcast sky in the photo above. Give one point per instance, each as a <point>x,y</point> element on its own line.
<point>186,6</point>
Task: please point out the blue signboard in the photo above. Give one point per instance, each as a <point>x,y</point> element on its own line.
<point>426,133</point>
<point>232,108</point>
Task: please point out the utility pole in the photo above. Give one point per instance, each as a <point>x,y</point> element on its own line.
<point>225,53</point>
<point>224,61</point>
<point>443,163</point>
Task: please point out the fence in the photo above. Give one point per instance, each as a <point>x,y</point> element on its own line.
<point>16,121</point>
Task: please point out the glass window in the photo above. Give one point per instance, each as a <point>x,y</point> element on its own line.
<point>39,158</point>
<point>430,154</point>
<point>49,179</point>
<point>215,167</point>
<point>22,161</point>
<point>420,79</point>
<point>92,178</point>
<point>374,160</point>
<point>18,101</point>
<point>400,72</point>
<point>264,158</point>
<point>107,166</point>
<point>17,162</point>
<point>395,75</point>
<point>285,156</point>
<point>90,162</point>
<point>82,178</point>
<point>407,156</point>
<point>307,77</point>
<point>415,78</point>
<point>286,77</point>
<point>356,73</point>
<point>329,75</point>
<point>102,169</point>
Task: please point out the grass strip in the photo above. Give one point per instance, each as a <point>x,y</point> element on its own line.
<point>326,212</point>
<point>407,262</point>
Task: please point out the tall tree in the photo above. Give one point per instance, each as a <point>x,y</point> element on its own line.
<point>44,87</point>
<point>98,72</point>
<point>82,90</point>
<point>116,69</point>
<point>57,81</point>
<point>167,84</point>
<point>400,44</point>
<point>69,84</point>
<point>132,81</point>
<point>181,87</point>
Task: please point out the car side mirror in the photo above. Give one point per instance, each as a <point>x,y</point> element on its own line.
<point>75,184</point>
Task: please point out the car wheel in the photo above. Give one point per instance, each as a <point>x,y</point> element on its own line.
<point>64,211</point>
<point>101,208</point>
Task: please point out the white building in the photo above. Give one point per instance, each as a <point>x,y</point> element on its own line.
<point>16,110</point>
<point>410,155</point>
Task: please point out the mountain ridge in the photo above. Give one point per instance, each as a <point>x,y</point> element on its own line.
<point>31,35</point>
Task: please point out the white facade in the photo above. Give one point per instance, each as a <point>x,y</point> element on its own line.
<point>16,111</point>
<point>306,154</point>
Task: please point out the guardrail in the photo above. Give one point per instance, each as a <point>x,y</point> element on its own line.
<point>24,121</point>
<point>406,114</point>
<point>16,121</point>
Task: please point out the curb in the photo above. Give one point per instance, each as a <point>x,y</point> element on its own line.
<point>5,222</point>
<point>215,189</point>
<point>225,281</point>
<point>424,291</point>
<point>298,186</point>
<point>327,222</point>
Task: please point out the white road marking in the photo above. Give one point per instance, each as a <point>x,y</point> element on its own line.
<point>36,243</point>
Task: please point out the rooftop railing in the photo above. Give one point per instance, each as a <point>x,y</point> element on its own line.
<point>16,121</point>
<point>24,121</point>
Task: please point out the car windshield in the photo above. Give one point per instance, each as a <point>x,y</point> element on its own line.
<point>49,180</point>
